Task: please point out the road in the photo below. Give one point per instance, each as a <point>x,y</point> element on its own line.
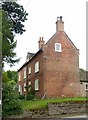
<point>80,117</point>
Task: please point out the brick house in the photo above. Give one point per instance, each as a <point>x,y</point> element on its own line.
<point>83,83</point>
<point>54,70</point>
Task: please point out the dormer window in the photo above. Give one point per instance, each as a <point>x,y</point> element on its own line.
<point>58,47</point>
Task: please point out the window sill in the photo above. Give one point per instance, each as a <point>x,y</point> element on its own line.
<point>37,72</point>
<point>36,90</point>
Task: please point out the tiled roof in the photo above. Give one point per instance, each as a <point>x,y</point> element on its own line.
<point>34,55</point>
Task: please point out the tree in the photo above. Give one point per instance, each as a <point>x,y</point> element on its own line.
<point>16,14</point>
<point>8,43</point>
<point>10,103</point>
<point>12,75</point>
<point>13,16</point>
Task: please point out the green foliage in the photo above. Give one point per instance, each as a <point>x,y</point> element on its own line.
<point>16,14</point>
<point>10,102</point>
<point>30,94</point>
<point>42,104</point>
<point>5,77</point>
<point>21,97</point>
<point>8,43</point>
<point>12,75</point>
<point>13,15</point>
<point>12,83</point>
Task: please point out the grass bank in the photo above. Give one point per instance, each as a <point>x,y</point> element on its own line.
<point>42,104</point>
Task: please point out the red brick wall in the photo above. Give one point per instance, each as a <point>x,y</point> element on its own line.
<point>39,75</point>
<point>33,76</point>
<point>59,71</point>
<point>62,69</point>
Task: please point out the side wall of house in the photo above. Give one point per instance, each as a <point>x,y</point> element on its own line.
<point>38,75</point>
<point>21,81</point>
<point>61,68</point>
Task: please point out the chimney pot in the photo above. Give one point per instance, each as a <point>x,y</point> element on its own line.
<point>59,24</point>
<point>42,38</point>
<point>41,43</point>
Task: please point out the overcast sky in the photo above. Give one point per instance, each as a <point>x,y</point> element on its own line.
<point>41,23</point>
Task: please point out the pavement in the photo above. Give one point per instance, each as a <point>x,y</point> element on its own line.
<point>79,117</point>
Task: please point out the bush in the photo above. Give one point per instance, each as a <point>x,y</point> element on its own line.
<point>10,103</point>
<point>31,93</point>
<point>30,96</point>
<point>21,97</point>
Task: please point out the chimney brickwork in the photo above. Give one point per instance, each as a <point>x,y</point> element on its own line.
<point>59,24</point>
<point>41,43</point>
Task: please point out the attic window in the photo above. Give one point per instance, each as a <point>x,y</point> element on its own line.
<point>58,47</point>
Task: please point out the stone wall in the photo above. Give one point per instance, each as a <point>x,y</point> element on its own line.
<point>56,109</point>
<point>67,108</point>
<point>59,109</point>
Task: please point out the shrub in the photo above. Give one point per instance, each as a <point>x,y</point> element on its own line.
<point>10,103</point>
<point>30,96</point>
<point>21,97</point>
<point>31,93</point>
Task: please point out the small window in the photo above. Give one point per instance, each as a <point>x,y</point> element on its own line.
<point>20,89</point>
<point>36,84</point>
<point>0,102</point>
<point>58,47</point>
<point>86,86</point>
<point>37,66</point>
<point>29,70</point>
<point>24,73</point>
<point>29,83</point>
<point>24,86</point>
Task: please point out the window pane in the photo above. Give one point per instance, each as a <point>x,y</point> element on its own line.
<point>29,70</point>
<point>57,47</point>
<point>24,86</point>
<point>37,84</point>
<point>20,89</point>
<point>36,66</point>
<point>24,72</point>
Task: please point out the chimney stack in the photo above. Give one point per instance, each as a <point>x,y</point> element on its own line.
<point>41,43</point>
<point>59,24</point>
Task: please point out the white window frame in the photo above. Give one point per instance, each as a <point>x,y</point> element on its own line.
<point>20,89</point>
<point>37,84</point>
<point>29,83</point>
<point>36,66</point>
<point>86,86</point>
<point>25,73</point>
<point>59,46</point>
<point>24,87</point>
<point>29,70</point>
<point>0,102</point>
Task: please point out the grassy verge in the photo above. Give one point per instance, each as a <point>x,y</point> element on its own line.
<point>42,104</point>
